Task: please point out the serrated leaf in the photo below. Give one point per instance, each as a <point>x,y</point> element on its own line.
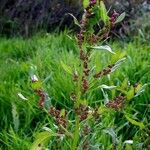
<point>75,20</point>
<point>103,86</point>
<point>130,93</point>
<point>134,122</point>
<point>104,47</point>
<point>121,17</point>
<point>86,3</point>
<point>67,68</point>
<point>41,140</point>
<point>103,12</point>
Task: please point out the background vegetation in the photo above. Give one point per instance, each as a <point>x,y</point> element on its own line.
<point>25,17</point>
<point>42,53</point>
<point>22,119</point>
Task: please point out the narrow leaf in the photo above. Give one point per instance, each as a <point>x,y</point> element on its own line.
<point>134,122</point>
<point>75,20</point>
<point>121,17</point>
<point>130,93</point>
<point>140,89</point>
<point>128,142</point>
<point>103,12</point>
<point>117,64</point>
<point>103,86</point>
<point>86,3</point>
<point>66,68</point>
<point>15,117</point>
<point>41,140</point>
<point>21,96</point>
<point>105,47</point>
<point>112,133</point>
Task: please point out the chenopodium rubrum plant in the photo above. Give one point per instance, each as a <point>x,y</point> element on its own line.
<point>77,132</point>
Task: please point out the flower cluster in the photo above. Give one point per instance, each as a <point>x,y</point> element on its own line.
<point>104,72</point>
<point>42,96</point>
<point>59,119</point>
<point>40,92</point>
<point>117,103</point>
<point>82,111</point>
<point>113,18</point>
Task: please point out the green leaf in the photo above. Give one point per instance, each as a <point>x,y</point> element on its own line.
<point>67,68</point>
<point>124,84</point>
<point>103,110</point>
<point>41,140</point>
<point>121,17</point>
<point>103,86</point>
<point>130,93</point>
<point>140,89</point>
<point>22,96</point>
<point>62,113</point>
<point>105,47</point>
<point>36,85</point>
<point>75,20</point>
<point>118,63</point>
<point>128,147</point>
<point>112,133</point>
<point>15,117</point>
<point>134,122</point>
<point>86,3</point>
<point>103,12</point>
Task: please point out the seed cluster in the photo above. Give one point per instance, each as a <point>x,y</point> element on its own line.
<point>81,37</point>
<point>86,145</point>
<point>59,119</point>
<point>113,18</point>
<point>117,103</point>
<point>42,96</point>
<point>104,71</point>
<point>82,111</point>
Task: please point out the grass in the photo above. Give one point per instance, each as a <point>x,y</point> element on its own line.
<point>21,120</point>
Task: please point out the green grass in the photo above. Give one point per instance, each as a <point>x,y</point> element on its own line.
<point>22,120</point>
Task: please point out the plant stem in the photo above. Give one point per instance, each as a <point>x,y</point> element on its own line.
<point>77,119</point>
<point>76,133</point>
